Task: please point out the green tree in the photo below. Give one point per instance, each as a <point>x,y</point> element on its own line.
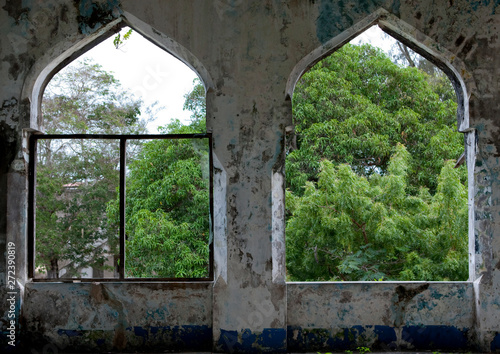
<point>350,227</point>
<point>196,104</point>
<point>404,56</point>
<point>167,201</point>
<point>168,207</point>
<point>76,178</point>
<point>356,105</point>
<point>372,193</point>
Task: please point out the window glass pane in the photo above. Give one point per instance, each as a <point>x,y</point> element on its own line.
<point>77,219</point>
<point>168,209</point>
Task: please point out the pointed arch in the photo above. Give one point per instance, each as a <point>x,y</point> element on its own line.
<point>54,59</point>
<point>62,54</point>
<point>454,68</point>
<point>448,62</point>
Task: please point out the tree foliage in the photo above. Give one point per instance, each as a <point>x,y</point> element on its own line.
<point>167,189</point>
<point>350,227</point>
<point>83,98</point>
<point>77,178</point>
<point>406,57</point>
<point>195,103</point>
<point>168,207</point>
<point>356,105</point>
<point>372,190</point>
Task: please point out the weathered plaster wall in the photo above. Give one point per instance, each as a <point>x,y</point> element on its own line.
<point>383,316</point>
<point>249,54</point>
<point>121,317</point>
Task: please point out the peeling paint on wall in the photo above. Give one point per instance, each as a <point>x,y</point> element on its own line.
<point>93,15</point>
<point>16,10</point>
<point>343,316</point>
<point>8,135</point>
<point>123,317</point>
<point>18,64</point>
<point>336,16</point>
<point>401,298</point>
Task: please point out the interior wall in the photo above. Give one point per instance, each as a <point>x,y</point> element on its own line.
<point>247,53</point>
<point>100,317</point>
<point>383,316</point>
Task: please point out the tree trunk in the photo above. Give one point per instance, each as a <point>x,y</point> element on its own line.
<point>53,271</point>
<point>404,50</point>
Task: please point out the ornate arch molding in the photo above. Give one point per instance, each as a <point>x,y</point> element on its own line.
<point>62,54</point>
<point>447,61</point>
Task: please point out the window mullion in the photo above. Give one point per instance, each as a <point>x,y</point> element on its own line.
<point>31,205</point>
<point>123,154</point>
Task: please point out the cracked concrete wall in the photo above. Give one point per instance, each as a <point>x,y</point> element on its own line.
<point>250,54</point>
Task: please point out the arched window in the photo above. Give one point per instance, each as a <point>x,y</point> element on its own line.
<point>376,188</point>
<point>110,197</point>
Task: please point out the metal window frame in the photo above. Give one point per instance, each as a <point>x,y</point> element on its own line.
<point>123,140</point>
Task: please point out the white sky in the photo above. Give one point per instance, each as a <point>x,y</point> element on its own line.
<point>376,37</point>
<point>148,72</point>
<point>155,75</point>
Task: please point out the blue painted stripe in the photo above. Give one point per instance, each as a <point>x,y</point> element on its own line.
<point>378,338</point>
<point>270,340</point>
<point>495,344</point>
